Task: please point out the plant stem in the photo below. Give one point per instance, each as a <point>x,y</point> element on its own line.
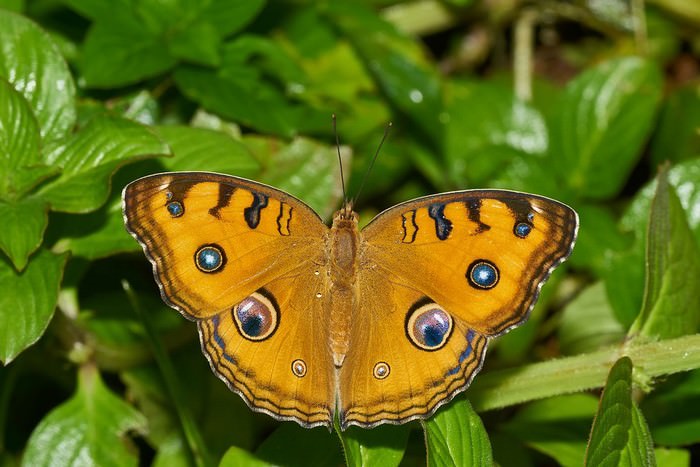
<point>581,372</point>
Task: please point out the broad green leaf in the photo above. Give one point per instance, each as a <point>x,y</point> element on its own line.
<point>246,87</point>
<point>120,54</point>
<point>304,168</point>
<point>202,149</point>
<point>88,429</point>
<point>292,445</point>
<point>456,436</point>
<point>25,221</point>
<point>556,427</point>
<point>500,128</point>
<point>27,301</point>
<point>384,445</point>
<point>620,436</point>
<point>20,160</point>
<point>95,235</point>
<point>588,322</point>
<point>677,138</point>
<point>598,235</point>
<point>236,457</point>
<point>31,62</point>
<point>198,43</point>
<point>671,306</point>
<point>396,64</point>
<point>624,277</point>
<point>602,124</point>
<point>90,157</point>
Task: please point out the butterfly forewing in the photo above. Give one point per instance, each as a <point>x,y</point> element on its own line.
<point>483,255</point>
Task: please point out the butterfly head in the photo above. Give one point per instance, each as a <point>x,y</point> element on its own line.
<point>346,213</point>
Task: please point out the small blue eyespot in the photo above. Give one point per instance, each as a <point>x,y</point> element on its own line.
<point>175,209</point>
<point>522,229</point>
<point>209,258</point>
<point>482,274</point>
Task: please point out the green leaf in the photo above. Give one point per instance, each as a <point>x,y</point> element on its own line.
<point>89,429</point>
<point>95,235</point>
<point>246,87</point>
<point>28,301</point>
<point>672,457</point>
<point>673,410</point>
<point>31,62</point>
<point>599,234</point>
<point>396,64</point>
<point>556,426</point>
<point>677,138</point>
<point>588,322</point>
<point>456,436</point>
<point>120,54</point>
<point>620,436</point>
<point>671,306</point>
<point>292,445</point>
<point>384,445</point>
<point>236,457</point>
<point>602,124</point>
<point>90,157</point>
<point>502,129</point>
<point>25,221</point>
<point>202,149</point>
<point>20,160</point>
<point>304,168</point>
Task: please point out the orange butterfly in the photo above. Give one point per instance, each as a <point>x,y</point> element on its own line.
<point>379,325</point>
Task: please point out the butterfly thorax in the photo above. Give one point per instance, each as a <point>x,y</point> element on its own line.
<point>344,243</point>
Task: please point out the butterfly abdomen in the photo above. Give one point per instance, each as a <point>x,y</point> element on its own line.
<point>345,238</point>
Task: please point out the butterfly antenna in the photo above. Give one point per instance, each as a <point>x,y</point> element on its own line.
<point>340,160</point>
<point>374,159</point>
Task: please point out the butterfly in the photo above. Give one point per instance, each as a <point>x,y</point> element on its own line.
<point>307,322</point>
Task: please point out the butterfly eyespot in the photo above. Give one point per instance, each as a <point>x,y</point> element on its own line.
<point>522,229</point>
<point>256,317</point>
<point>175,208</point>
<point>210,258</point>
<point>169,195</point>
<point>482,274</point>
<point>299,368</point>
<point>319,295</point>
<point>381,370</point>
<point>428,326</point>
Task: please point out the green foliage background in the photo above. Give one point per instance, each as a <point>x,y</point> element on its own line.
<point>579,101</point>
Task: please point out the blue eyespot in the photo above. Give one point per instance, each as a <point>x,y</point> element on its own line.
<point>175,208</point>
<point>482,274</point>
<point>429,327</point>
<point>256,317</point>
<point>522,229</point>
<point>210,258</point>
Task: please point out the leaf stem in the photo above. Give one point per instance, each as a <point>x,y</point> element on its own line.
<point>512,386</point>
<point>192,435</point>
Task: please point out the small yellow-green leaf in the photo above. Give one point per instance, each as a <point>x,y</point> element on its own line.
<point>620,436</point>
<point>89,429</point>
<point>236,457</point>
<point>456,436</point>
